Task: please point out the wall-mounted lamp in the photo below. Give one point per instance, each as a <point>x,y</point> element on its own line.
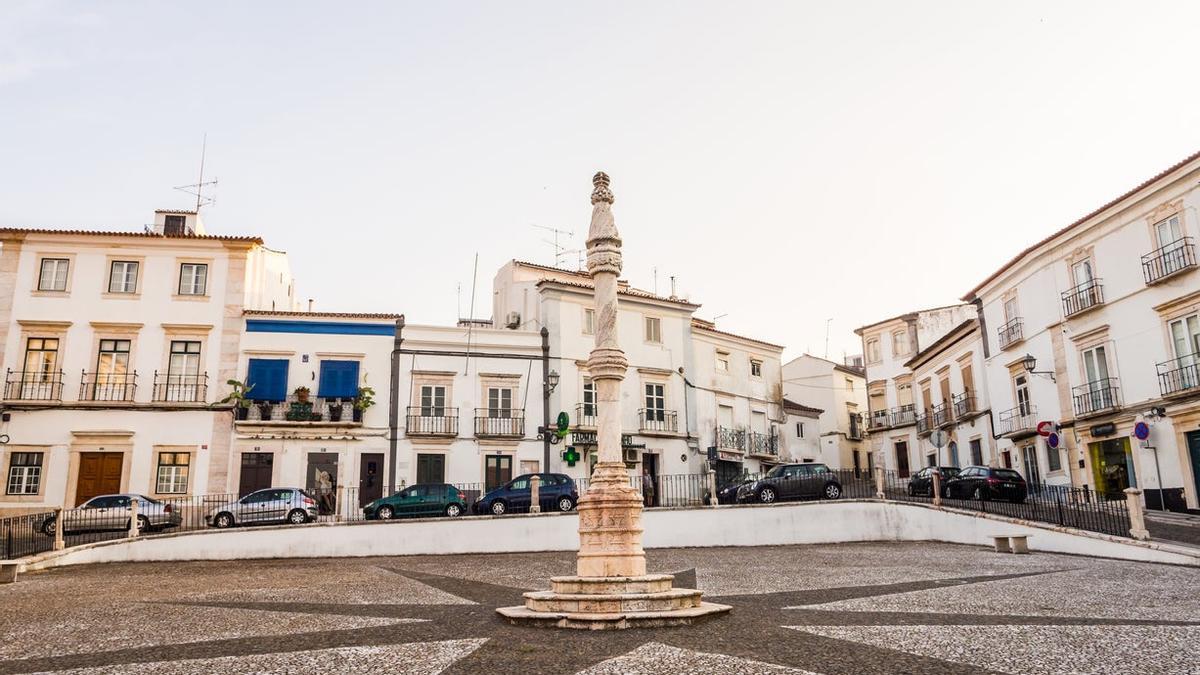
<point>552,382</point>
<point>1030,364</point>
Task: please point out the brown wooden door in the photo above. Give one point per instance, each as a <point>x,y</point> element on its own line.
<point>370,478</point>
<point>256,472</point>
<point>99,474</point>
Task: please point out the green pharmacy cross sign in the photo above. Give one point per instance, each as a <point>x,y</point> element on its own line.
<point>570,455</point>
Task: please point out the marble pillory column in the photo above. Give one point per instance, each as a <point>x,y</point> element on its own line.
<point>611,588</point>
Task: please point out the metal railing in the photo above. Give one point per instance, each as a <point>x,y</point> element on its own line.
<point>655,419</point>
<point>33,385</point>
<point>940,415</point>
<point>431,421</point>
<point>902,415</point>
<point>1179,375</point>
<point>586,414</point>
<point>1019,420</point>
<point>964,404</point>
<point>924,423</point>
<point>731,439</point>
<point>170,388</point>
<point>878,419</point>
<point>1011,333</point>
<point>1096,397</point>
<point>108,386</point>
<point>310,409</point>
<point>499,422</point>
<point>1084,296</point>
<point>1161,263</point>
<point>759,443</point>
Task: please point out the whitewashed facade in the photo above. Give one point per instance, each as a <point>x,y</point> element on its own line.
<point>840,392</point>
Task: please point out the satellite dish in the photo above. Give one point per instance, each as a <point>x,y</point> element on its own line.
<point>938,438</point>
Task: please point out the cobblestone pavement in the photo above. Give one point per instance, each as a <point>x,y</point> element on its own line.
<point>836,609</point>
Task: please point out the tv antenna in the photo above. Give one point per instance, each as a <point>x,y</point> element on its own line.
<point>197,189</point>
<point>560,250</point>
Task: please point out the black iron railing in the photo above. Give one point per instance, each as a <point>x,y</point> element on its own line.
<point>759,443</point>
<point>731,439</point>
<point>940,414</point>
<point>33,385</point>
<point>1011,333</point>
<point>307,409</point>
<point>964,404</point>
<point>499,422</point>
<point>1096,397</point>
<point>107,386</point>
<point>586,414</point>
<point>925,423</point>
<point>171,388</point>
<point>1179,375</point>
<point>1019,420</point>
<point>431,421</point>
<point>656,419</point>
<point>1084,296</point>
<point>1175,257</point>
<point>904,415</point>
<point>878,419</point>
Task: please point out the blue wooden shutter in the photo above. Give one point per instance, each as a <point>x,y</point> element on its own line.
<point>269,378</point>
<point>339,379</point>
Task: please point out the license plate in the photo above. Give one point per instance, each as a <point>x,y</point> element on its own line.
<point>1010,485</point>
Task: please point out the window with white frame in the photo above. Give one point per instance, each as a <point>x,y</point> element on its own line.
<point>900,342</point>
<point>123,276</point>
<point>1021,385</point>
<point>433,400</point>
<point>1011,310</point>
<point>589,321</point>
<point>755,368</point>
<point>873,350</point>
<point>1081,272</point>
<point>25,473</point>
<point>1169,232</point>
<point>53,276</point>
<point>656,402</point>
<point>499,402</point>
<point>722,364</point>
<point>1095,365</point>
<point>193,278</point>
<point>173,473</point>
<point>589,398</point>
<point>849,384</point>
<point>653,329</point>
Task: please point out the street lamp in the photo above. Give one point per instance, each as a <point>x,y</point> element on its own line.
<point>1030,363</point>
<point>551,382</point>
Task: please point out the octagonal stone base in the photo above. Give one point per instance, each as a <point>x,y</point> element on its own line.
<point>608,603</point>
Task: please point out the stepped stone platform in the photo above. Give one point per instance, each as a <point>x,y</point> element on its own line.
<point>610,603</point>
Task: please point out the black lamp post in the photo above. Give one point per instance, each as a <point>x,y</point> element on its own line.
<point>1030,363</point>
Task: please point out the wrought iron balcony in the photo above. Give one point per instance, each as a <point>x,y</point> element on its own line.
<point>1096,397</point>
<point>1011,333</point>
<point>731,439</point>
<point>312,409</point>
<point>1178,256</point>
<point>762,444</point>
<point>586,414</point>
<point>964,404</point>
<point>1082,297</point>
<point>940,415</point>
<point>33,385</point>
<point>115,387</point>
<point>1019,421</point>
<point>904,415</point>
<point>924,423</point>
<point>171,388</point>
<point>1179,375</point>
<point>878,419</point>
<point>431,421</point>
<point>499,423</point>
<point>656,419</point>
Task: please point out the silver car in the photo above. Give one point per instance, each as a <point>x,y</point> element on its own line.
<point>112,513</point>
<point>272,505</point>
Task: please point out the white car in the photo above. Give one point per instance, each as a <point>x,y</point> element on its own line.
<point>112,513</point>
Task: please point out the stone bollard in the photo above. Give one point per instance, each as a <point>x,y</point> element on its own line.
<point>1137,516</point>
<point>712,487</point>
<point>937,489</point>
<point>535,499</point>
<point>879,494</point>
<point>59,544</point>
<point>133,517</point>
<point>339,503</point>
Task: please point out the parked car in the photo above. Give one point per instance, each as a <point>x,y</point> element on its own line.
<point>921,482</point>
<point>272,505</point>
<point>556,493</point>
<point>792,481</point>
<point>112,513</point>
<point>984,482</point>
<point>422,499</point>
<point>728,494</point>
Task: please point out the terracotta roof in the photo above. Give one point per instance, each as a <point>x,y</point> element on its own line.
<point>861,372</point>
<point>320,315</point>
<point>628,290</point>
<point>115,233</point>
<point>788,403</point>
<point>1143,185</point>
<point>860,329</point>
<point>941,342</point>
<point>708,326</point>
<point>183,211</point>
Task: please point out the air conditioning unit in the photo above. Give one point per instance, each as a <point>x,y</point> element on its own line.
<point>631,455</point>
<point>513,320</point>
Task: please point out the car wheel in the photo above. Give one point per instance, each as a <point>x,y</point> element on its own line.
<point>977,495</point>
<point>223,520</point>
<point>499,508</point>
<point>49,527</point>
<point>565,504</point>
<point>453,510</point>
<point>143,524</point>
<point>297,517</point>
<point>766,495</point>
<point>833,491</point>
<point>386,513</point>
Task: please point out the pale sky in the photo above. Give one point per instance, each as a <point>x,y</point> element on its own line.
<point>788,162</point>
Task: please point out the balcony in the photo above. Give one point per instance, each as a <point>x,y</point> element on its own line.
<point>108,387</point>
<point>855,431</point>
<point>293,410</point>
<point>1011,333</point>
<point>499,423</point>
<point>762,445</point>
<point>656,420</point>
<point>904,415</point>
<point>940,415</point>
<point>731,439</point>
<point>1017,422</point>
<point>33,385</point>
<point>169,388</point>
<point>1096,397</point>
<point>1178,256</point>
<point>878,419</point>
<point>1179,375</point>
<point>1083,297</point>
<point>431,421</point>
<point>924,423</point>
<point>964,405</point>
<point>586,415</point>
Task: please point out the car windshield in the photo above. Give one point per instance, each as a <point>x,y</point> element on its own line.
<point>949,471</point>
<point>1006,474</point>
<point>777,471</point>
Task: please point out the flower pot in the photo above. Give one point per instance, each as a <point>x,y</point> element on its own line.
<point>335,411</point>
<point>240,413</point>
<point>265,410</point>
<point>358,413</point>
<point>302,395</point>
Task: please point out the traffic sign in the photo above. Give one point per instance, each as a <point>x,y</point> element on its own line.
<point>1045,428</point>
<point>938,438</point>
<point>1141,431</point>
<point>1053,440</point>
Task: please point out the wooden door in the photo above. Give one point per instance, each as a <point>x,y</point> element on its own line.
<point>256,472</point>
<point>370,478</point>
<point>431,468</point>
<point>99,474</point>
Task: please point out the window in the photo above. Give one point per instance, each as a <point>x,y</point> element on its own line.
<point>873,350</point>
<point>722,364</point>
<point>183,373</point>
<point>53,276</point>
<point>1011,311</point>
<point>499,402</point>
<point>589,398</point>
<point>173,473</point>
<point>1169,231</point>
<point>193,278</point>
<point>904,394</point>
<point>589,321</point>
<point>267,379</point>
<point>41,359</point>
<point>1095,365</point>
<point>849,384</point>
<point>433,401</point>
<point>112,372</point>
<point>800,429</point>
<point>1081,272</point>
<point>656,402</point>
<point>968,378</point>
<point>1053,459</point>
<point>653,329</point>
<point>755,368</point>
<point>123,277</point>
<point>976,451</point>
<point>338,379</point>
<point>1185,338</point>
<point>900,343</point>
<point>25,473</point>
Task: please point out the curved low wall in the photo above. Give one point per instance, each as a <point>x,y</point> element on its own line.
<point>795,523</point>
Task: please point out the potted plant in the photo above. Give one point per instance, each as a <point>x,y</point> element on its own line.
<point>301,410</point>
<point>335,410</point>
<point>302,393</point>
<point>237,396</point>
<point>364,400</point>
<point>265,410</point>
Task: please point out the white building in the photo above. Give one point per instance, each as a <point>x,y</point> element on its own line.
<point>840,392</point>
<point>802,432</point>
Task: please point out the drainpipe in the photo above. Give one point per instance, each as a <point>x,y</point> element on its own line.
<point>394,412</point>
<point>545,399</point>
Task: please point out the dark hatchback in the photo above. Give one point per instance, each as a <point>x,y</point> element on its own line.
<point>982,483</point>
<point>728,494</point>
<point>420,500</point>
<point>792,481</point>
<point>555,493</point>
<point>921,482</point>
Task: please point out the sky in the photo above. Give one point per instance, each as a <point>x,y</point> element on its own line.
<point>796,166</point>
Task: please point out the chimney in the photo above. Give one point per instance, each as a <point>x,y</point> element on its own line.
<point>310,304</point>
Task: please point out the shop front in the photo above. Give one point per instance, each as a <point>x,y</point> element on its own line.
<point>1112,466</point>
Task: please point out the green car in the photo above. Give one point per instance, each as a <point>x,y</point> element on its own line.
<point>420,500</point>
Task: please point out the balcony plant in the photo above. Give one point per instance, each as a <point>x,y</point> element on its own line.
<point>237,396</point>
<point>301,410</point>
<point>302,393</point>
<point>364,400</point>
<point>335,409</point>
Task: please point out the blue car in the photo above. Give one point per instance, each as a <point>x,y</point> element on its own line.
<point>556,493</point>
